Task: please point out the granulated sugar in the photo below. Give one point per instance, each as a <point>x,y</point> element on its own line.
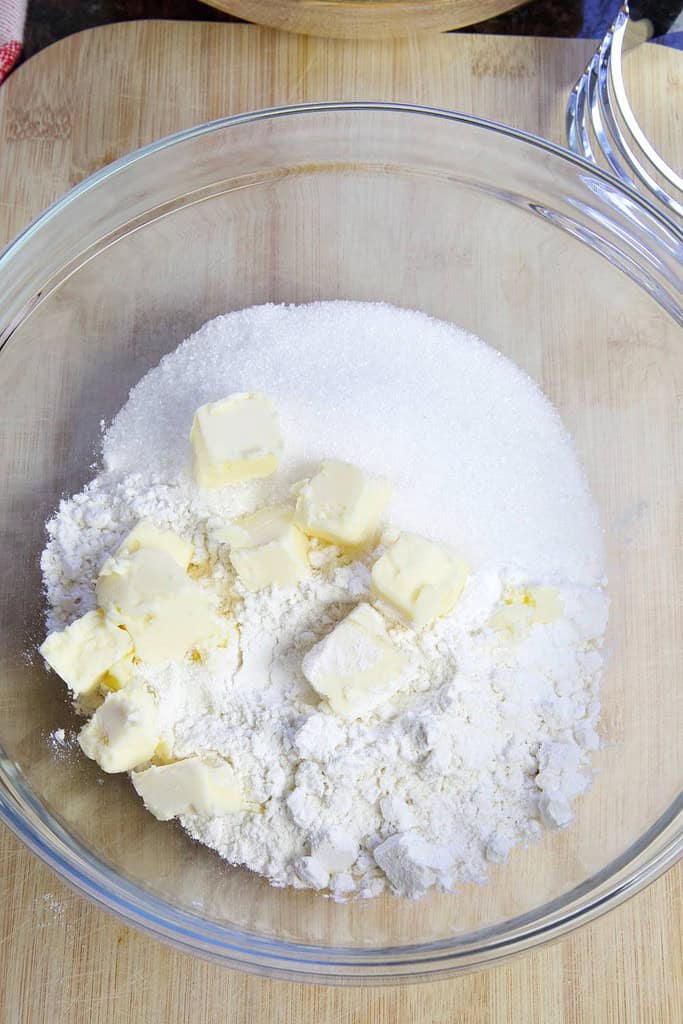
<point>491,740</point>
<point>476,454</point>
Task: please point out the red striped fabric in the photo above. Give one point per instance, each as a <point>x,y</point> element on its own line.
<point>12,18</point>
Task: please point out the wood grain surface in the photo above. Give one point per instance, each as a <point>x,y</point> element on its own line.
<point>367,19</point>
<point>64,114</point>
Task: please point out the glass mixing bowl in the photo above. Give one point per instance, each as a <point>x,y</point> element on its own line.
<point>553,262</point>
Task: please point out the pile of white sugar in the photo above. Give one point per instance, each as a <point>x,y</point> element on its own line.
<point>492,739</point>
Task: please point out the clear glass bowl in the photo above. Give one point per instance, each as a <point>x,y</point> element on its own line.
<point>549,259</point>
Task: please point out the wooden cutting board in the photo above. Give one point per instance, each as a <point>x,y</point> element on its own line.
<point>68,111</point>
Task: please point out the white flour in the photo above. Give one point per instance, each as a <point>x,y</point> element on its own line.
<point>492,739</point>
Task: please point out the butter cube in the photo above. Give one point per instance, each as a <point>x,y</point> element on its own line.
<point>342,505</point>
<point>123,732</point>
<point>192,786</point>
<point>356,667</point>
<point>163,753</point>
<point>119,674</point>
<point>545,604</point>
<point>165,612</point>
<point>84,652</point>
<point>267,548</point>
<point>146,535</point>
<point>226,636</point>
<point>235,439</point>
<point>525,607</point>
<point>418,580</point>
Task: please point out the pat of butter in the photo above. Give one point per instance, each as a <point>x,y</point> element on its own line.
<point>235,439</point>
<point>356,667</point>
<point>418,579</point>
<point>146,535</point>
<point>123,732</point>
<point>342,505</point>
<point>525,607</point>
<point>192,786</point>
<point>119,674</point>
<point>267,548</point>
<point>163,753</point>
<point>85,651</point>
<point>165,612</point>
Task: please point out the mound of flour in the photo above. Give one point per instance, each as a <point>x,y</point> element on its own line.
<point>492,740</point>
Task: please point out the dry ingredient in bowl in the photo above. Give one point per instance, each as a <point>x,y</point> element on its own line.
<point>472,725</point>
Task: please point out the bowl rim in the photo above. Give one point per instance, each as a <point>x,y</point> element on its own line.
<point>31,822</point>
<point>271,113</point>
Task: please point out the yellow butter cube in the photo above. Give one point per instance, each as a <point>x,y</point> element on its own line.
<point>123,732</point>
<point>163,753</point>
<point>146,535</point>
<point>342,505</point>
<point>418,580</point>
<point>545,604</point>
<point>357,666</point>
<point>85,651</point>
<point>165,612</point>
<point>191,786</point>
<point>235,439</point>
<point>267,548</point>
<point>226,635</point>
<point>119,674</point>
<point>524,607</point>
